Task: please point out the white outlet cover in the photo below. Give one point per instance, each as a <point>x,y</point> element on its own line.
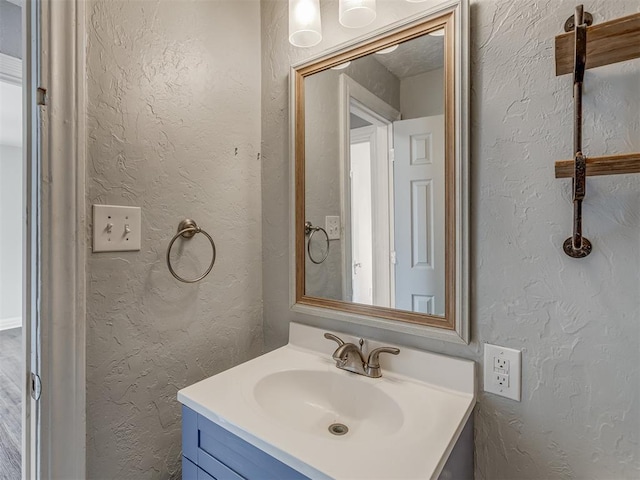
<point>494,357</point>
<point>332,226</point>
<point>116,228</point>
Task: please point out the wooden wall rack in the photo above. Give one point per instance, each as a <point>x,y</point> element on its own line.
<point>587,46</point>
<point>609,42</point>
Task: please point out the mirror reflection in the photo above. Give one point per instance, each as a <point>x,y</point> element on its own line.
<point>375,178</point>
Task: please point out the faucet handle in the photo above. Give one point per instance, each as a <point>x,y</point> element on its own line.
<point>374,361</point>
<point>331,336</point>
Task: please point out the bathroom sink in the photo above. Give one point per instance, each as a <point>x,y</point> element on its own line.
<point>295,405</point>
<point>313,401</point>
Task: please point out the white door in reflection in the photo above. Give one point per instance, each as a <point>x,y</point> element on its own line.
<point>361,234</point>
<point>419,237</point>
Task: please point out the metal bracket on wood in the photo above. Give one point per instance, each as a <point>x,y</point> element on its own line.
<point>609,42</point>
<point>616,41</point>
<point>578,246</point>
<point>570,24</point>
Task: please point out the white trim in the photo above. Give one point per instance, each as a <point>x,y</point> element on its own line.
<point>461,334</point>
<point>462,88</point>
<point>30,147</point>
<point>62,439</point>
<point>10,69</point>
<point>10,322</point>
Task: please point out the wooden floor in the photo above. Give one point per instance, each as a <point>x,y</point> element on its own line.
<point>10,406</point>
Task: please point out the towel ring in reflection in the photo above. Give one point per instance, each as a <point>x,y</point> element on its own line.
<point>187,229</point>
<point>310,230</point>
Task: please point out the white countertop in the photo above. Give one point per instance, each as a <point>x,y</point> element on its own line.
<point>436,395</point>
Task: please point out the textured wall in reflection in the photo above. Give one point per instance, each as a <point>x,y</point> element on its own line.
<point>173,127</point>
<point>577,321</point>
<point>10,29</point>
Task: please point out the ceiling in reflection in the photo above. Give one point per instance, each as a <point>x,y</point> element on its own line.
<point>414,57</point>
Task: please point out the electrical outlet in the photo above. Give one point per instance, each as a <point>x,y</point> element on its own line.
<point>502,371</point>
<point>502,379</point>
<point>332,226</point>
<point>501,365</point>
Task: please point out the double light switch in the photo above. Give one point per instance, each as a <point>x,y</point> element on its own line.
<point>116,228</point>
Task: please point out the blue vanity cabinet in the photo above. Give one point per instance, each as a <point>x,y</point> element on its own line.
<point>212,453</point>
<point>209,452</point>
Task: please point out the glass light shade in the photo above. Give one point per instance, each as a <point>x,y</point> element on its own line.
<point>305,28</point>
<point>357,13</point>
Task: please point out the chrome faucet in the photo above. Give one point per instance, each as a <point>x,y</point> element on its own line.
<point>350,357</point>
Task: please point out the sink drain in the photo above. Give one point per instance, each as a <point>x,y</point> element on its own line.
<point>338,429</point>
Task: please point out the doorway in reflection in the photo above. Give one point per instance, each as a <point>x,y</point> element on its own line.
<point>369,209</point>
<point>12,325</point>
<point>395,260</point>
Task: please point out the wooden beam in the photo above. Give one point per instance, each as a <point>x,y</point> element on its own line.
<point>608,165</point>
<point>609,42</point>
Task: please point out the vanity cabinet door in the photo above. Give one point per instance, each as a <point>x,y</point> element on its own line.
<point>202,475</point>
<point>190,471</point>
<point>225,456</point>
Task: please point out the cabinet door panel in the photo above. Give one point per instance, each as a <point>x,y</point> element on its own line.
<point>202,475</point>
<point>225,456</point>
<point>215,467</point>
<point>189,469</point>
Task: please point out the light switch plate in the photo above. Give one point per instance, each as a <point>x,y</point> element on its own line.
<point>502,371</point>
<point>116,228</point>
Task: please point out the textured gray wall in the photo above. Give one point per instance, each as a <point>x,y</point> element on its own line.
<point>173,127</point>
<point>10,29</point>
<point>422,95</point>
<point>322,197</point>
<point>577,321</point>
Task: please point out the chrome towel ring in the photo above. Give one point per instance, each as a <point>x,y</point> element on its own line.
<point>310,230</point>
<point>187,229</point>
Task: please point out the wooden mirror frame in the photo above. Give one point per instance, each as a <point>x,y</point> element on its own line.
<point>454,325</point>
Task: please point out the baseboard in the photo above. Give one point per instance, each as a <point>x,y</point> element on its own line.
<point>10,322</point>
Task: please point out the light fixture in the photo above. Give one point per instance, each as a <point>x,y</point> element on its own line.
<point>357,13</point>
<point>304,23</point>
<point>437,33</point>
<point>390,49</point>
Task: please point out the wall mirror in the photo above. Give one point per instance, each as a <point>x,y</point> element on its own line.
<point>379,148</point>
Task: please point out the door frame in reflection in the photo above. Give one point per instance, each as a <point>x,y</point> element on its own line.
<point>358,100</point>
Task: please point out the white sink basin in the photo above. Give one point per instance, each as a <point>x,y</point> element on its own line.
<point>400,426</point>
<point>312,401</point>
